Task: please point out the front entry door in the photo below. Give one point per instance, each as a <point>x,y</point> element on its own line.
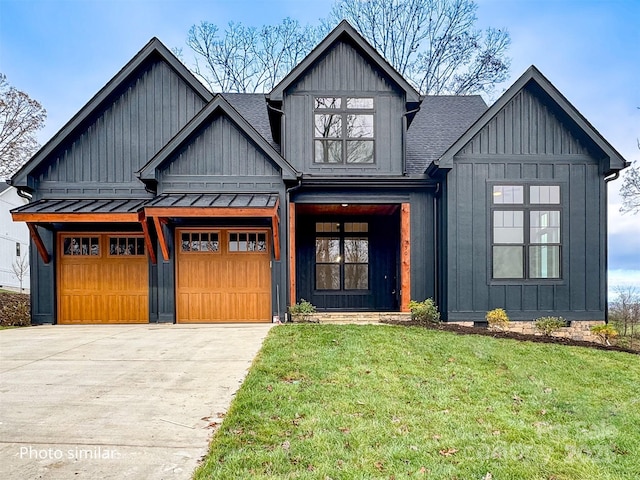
<point>348,263</point>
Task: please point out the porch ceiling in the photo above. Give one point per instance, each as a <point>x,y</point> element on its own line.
<point>350,209</point>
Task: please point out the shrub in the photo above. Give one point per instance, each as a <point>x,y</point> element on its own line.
<point>548,325</point>
<point>604,332</point>
<point>425,311</point>
<point>302,311</point>
<point>14,310</point>
<point>497,319</point>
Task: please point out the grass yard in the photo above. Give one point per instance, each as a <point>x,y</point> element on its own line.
<point>369,402</point>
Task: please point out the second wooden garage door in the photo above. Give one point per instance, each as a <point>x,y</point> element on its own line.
<point>223,276</point>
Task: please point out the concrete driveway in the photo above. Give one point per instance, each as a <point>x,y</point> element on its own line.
<point>132,401</point>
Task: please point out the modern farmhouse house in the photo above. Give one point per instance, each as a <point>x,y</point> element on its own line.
<point>162,202</point>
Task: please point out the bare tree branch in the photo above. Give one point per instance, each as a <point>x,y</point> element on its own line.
<point>246,59</point>
<point>20,118</point>
<point>630,189</point>
<point>433,43</point>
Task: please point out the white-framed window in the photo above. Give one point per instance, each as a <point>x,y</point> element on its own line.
<point>343,130</point>
<point>526,232</point>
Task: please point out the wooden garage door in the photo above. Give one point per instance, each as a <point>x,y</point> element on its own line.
<point>102,278</point>
<point>223,276</point>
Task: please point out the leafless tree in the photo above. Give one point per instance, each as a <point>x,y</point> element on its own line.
<point>433,43</point>
<point>20,269</point>
<point>20,118</point>
<point>630,189</point>
<point>625,311</point>
<point>247,59</point>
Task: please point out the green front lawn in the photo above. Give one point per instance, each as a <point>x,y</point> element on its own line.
<point>365,402</point>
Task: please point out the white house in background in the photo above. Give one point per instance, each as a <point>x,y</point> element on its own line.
<point>14,240</point>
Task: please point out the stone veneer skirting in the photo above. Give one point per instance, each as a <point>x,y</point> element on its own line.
<point>577,330</point>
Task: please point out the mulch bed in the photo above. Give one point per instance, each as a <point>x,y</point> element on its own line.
<point>523,337</point>
<point>14,309</point>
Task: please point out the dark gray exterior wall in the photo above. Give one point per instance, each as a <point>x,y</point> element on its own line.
<point>527,141</point>
<point>423,245</point>
<point>102,158</point>
<point>344,71</point>
<point>43,281</point>
<point>221,158</point>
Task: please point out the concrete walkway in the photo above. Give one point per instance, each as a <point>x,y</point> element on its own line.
<point>114,402</point>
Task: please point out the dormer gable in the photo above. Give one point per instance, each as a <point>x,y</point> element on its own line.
<point>343,37</point>
<point>130,118</point>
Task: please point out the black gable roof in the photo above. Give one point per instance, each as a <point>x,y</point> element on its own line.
<point>253,107</point>
<point>439,123</point>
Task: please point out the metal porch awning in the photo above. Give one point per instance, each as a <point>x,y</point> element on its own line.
<point>194,205</point>
<point>159,209</point>
<point>81,211</point>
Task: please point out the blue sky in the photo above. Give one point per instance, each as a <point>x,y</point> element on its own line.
<point>61,52</point>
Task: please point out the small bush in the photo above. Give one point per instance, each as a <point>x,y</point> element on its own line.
<point>497,319</point>
<point>15,310</point>
<point>549,325</point>
<point>425,311</point>
<point>302,311</point>
<point>604,332</point>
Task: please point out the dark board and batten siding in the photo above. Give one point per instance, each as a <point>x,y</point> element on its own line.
<point>343,71</point>
<point>525,142</point>
<point>525,126</point>
<point>103,158</point>
<point>221,156</point>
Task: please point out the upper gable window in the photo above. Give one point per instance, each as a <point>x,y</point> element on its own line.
<point>343,130</point>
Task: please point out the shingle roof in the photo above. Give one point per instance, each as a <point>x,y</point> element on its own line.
<point>253,107</point>
<point>439,123</point>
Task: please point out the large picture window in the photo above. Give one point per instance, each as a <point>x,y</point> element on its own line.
<point>342,256</point>
<point>343,130</point>
<point>526,234</point>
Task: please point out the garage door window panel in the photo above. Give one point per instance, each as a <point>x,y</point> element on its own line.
<point>126,246</point>
<point>254,242</point>
<point>200,242</point>
<point>81,246</point>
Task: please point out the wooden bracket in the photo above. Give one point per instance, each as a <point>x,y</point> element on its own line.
<point>159,222</point>
<point>275,227</point>
<point>147,237</point>
<point>37,239</point>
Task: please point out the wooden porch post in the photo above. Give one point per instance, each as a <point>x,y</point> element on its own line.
<point>405,257</point>
<point>292,253</point>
